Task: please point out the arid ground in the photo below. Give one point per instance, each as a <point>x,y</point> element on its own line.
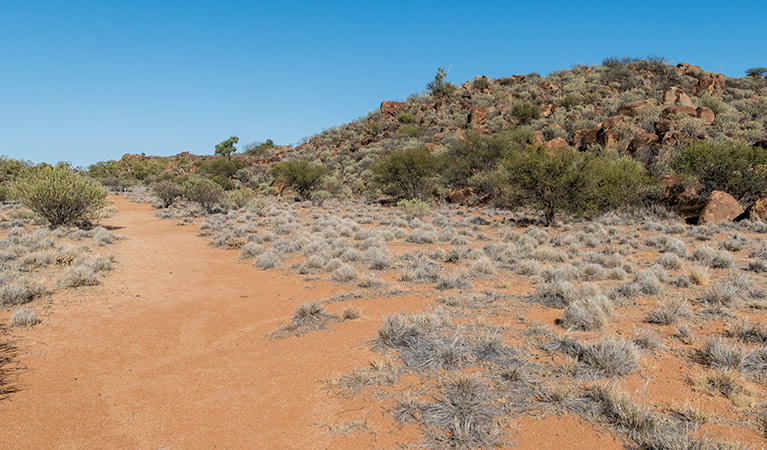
<point>185,345</point>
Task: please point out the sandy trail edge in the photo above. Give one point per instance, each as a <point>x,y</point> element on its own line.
<point>170,352</point>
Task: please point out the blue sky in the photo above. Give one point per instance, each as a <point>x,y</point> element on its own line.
<point>86,81</point>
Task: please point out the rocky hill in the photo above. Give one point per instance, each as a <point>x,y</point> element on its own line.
<point>644,108</point>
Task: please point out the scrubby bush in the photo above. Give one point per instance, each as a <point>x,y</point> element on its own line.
<point>203,191</point>
<point>567,181</point>
<point>238,198</point>
<point>302,176</point>
<point>406,172</point>
<point>438,87</point>
<point>525,111</point>
<point>167,192</point>
<point>59,195</point>
<point>736,168</point>
<point>413,208</point>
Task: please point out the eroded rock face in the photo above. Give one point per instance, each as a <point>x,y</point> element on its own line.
<point>642,142</point>
<point>720,207</point>
<point>478,115</point>
<point>758,211</point>
<point>710,84</point>
<point>460,195</point>
<point>585,137</point>
<point>557,142</point>
<point>632,109</point>
<point>676,96</point>
<point>391,108</point>
<point>679,109</point>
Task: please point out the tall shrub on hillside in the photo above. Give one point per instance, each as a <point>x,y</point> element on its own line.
<point>736,168</point>
<point>570,182</point>
<point>167,192</point>
<point>59,195</point>
<point>303,176</point>
<point>406,172</point>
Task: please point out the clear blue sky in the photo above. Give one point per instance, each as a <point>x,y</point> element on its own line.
<point>92,80</point>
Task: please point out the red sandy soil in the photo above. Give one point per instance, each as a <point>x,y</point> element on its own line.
<point>171,351</point>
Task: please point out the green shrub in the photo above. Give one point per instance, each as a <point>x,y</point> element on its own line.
<point>303,176</point>
<point>481,83</point>
<point>318,198</point>
<point>166,191</point>
<point>525,111</point>
<point>409,130</point>
<point>259,149</point>
<point>221,167</point>
<point>226,148</point>
<point>203,191</point>
<point>407,172</point>
<point>736,168</point>
<point>439,87</point>
<point>479,153</point>
<point>237,198</point>
<point>59,195</point>
<point>406,118</point>
<point>757,72</point>
<point>413,207</point>
<point>569,101</point>
<point>568,181</point>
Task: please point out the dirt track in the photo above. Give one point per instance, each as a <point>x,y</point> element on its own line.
<point>170,351</point>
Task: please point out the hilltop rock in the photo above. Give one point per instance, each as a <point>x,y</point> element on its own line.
<point>705,114</point>
<point>391,108</point>
<point>689,69</point>
<point>710,84</point>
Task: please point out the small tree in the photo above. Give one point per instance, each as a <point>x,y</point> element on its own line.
<point>59,195</point>
<point>736,168</point>
<point>757,72</point>
<point>406,172</point>
<point>167,192</point>
<point>438,87</point>
<point>303,176</point>
<point>226,148</point>
<point>549,183</point>
<point>203,191</point>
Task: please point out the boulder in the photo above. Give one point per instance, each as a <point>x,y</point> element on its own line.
<point>547,110</point>
<point>711,84</point>
<point>585,137</point>
<point>758,211</point>
<point>632,109</point>
<point>705,114</point>
<point>391,108</point>
<point>549,87</point>
<point>518,78</point>
<point>478,115</point>
<point>676,96</point>
<point>664,126</point>
<point>641,142</point>
<point>460,195</point>
<point>538,139</point>
<point>689,69</point>
<point>720,207</point>
<point>677,191</point>
<point>557,142</point>
<point>679,109</point>
<point>607,136</point>
<point>461,135</point>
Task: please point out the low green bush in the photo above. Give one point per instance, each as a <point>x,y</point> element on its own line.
<point>407,172</point>
<point>203,191</point>
<point>59,195</point>
<point>303,176</point>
